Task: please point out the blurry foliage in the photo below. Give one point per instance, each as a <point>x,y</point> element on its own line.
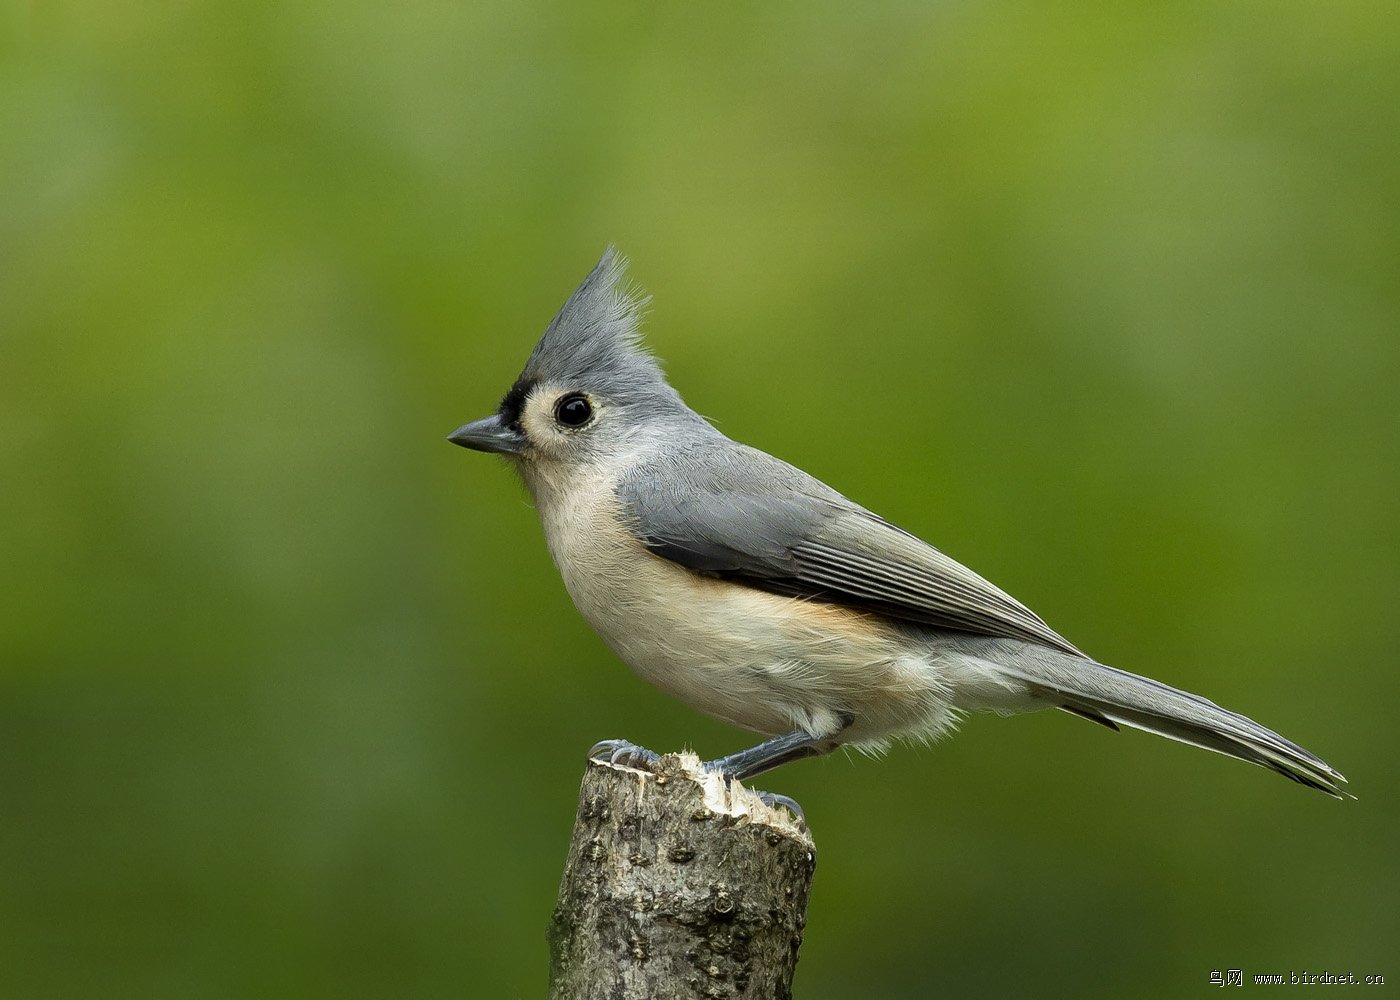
<point>1102,300</point>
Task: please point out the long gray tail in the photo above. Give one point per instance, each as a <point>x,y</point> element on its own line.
<point>1114,697</point>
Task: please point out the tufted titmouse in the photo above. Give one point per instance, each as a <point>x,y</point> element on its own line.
<point>761,596</point>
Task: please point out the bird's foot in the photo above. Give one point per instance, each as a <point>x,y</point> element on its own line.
<point>723,767</point>
<point>625,753</point>
<point>774,801</point>
<point>628,754</point>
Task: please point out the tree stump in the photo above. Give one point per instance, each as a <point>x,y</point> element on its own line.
<point>678,886</point>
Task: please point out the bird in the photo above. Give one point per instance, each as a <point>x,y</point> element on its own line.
<point>762,597</point>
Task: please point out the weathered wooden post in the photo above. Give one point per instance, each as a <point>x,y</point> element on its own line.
<point>678,886</point>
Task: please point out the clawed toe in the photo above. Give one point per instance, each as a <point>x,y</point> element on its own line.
<point>625,753</point>
<point>628,754</point>
<point>773,800</point>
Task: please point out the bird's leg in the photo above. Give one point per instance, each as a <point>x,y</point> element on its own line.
<point>770,754</point>
<point>742,765</point>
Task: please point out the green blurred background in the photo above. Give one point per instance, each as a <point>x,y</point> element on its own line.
<point>1101,299</point>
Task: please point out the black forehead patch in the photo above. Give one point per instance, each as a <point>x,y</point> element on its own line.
<point>514,400</point>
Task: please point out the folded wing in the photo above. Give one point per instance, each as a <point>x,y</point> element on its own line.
<point>739,514</point>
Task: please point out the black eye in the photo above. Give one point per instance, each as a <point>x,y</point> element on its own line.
<point>573,410</point>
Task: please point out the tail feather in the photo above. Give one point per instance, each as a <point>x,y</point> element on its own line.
<point>1115,697</point>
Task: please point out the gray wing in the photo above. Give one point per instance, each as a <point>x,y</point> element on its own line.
<point>736,513</point>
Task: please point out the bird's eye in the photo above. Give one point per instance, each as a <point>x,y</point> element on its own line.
<point>573,410</point>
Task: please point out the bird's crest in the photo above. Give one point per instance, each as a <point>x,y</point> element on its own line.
<point>596,339</point>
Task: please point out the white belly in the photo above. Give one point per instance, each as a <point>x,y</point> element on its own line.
<point>764,662</point>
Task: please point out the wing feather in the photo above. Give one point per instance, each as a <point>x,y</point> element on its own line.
<point>739,514</point>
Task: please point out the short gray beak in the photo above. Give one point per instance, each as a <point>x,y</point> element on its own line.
<point>489,434</point>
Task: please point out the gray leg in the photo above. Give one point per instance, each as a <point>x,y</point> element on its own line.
<point>742,765</point>
<point>770,754</point>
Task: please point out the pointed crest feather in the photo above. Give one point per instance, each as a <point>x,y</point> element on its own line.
<point>595,340</point>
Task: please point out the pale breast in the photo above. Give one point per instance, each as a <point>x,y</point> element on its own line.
<point>761,661</point>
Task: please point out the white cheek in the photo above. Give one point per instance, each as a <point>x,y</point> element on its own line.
<point>540,430</point>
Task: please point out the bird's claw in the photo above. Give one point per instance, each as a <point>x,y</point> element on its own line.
<point>773,801</point>
<point>770,799</point>
<point>628,754</point>
<point>625,753</point>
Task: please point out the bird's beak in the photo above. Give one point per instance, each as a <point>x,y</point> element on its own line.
<point>489,434</point>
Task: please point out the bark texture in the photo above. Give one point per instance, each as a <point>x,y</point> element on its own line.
<point>677,886</point>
